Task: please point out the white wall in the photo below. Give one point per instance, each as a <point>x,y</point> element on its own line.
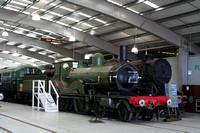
<point>194,66</point>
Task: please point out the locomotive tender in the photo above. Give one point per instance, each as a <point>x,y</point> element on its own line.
<point>99,89</point>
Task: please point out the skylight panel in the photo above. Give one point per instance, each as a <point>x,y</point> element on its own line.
<point>21,46</point>
<point>49,19</point>
<point>132,10</point>
<point>76,28</point>
<point>9,8</point>
<point>15,54</point>
<point>18,3</point>
<point>83,14</point>
<point>5,52</point>
<point>151,4</point>
<point>32,49</point>
<point>24,57</point>
<point>57,14</point>
<point>72,19</point>
<point>111,1</point>
<point>62,23</point>
<point>86,24</point>
<point>66,8</point>
<point>99,20</point>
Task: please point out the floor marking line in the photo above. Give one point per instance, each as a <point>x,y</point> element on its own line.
<point>28,123</point>
<point>5,129</point>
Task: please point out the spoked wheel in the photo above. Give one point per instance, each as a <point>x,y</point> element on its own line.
<point>123,113</point>
<point>99,110</point>
<point>147,115</point>
<point>65,104</point>
<point>80,106</point>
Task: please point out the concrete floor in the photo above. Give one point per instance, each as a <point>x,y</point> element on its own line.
<point>18,118</point>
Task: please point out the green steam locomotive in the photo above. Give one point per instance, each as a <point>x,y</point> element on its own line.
<point>99,89</point>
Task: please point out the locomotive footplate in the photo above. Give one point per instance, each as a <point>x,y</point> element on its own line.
<point>149,102</point>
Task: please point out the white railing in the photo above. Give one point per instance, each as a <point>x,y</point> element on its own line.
<point>38,91</point>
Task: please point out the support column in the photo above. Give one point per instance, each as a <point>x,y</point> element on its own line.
<point>183,66</point>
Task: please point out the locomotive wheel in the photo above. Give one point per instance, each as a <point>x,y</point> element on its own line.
<point>65,104</point>
<point>147,115</point>
<point>99,110</point>
<point>123,113</point>
<point>80,106</point>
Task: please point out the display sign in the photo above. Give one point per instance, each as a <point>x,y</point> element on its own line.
<point>54,40</point>
<point>171,93</point>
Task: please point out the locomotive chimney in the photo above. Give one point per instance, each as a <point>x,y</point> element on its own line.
<point>122,55</point>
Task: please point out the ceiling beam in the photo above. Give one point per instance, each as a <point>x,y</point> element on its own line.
<point>115,31</point>
<point>15,49</point>
<point>16,59</point>
<point>28,41</point>
<point>59,29</point>
<point>185,26</point>
<point>178,16</point>
<point>134,19</point>
<point>131,18</point>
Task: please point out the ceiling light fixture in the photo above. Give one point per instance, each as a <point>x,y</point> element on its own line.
<point>35,17</point>
<point>134,50</point>
<point>4,33</point>
<point>72,39</point>
<point>92,32</point>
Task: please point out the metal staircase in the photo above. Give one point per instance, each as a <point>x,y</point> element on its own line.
<point>44,98</point>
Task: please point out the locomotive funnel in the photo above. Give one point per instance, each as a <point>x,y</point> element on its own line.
<point>123,56</point>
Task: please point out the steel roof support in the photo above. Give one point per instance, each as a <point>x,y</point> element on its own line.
<point>8,15</point>
<point>44,45</point>
<point>16,59</point>
<point>15,49</point>
<point>132,18</point>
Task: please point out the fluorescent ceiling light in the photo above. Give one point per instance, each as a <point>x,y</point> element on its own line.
<point>27,13</point>
<point>15,54</point>
<point>18,3</point>
<point>11,43</point>
<point>51,56</point>
<point>99,20</point>
<point>34,7</point>
<point>5,52</point>
<point>65,59</point>
<point>57,14</point>
<point>32,49</point>
<point>27,1</point>
<point>12,9</point>
<point>58,22</point>
<point>83,14</point>
<point>9,60</point>
<point>35,17</point>
<point>24,57</point>
<point>151,4</point>
<point>111,1</point>
<point>21,46</point>
<point>132,10</point>
<point>76,28</point>
<point>66,8</point>
<point>42,53</point>
<point>72,19</point>
<point>89,25</point>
